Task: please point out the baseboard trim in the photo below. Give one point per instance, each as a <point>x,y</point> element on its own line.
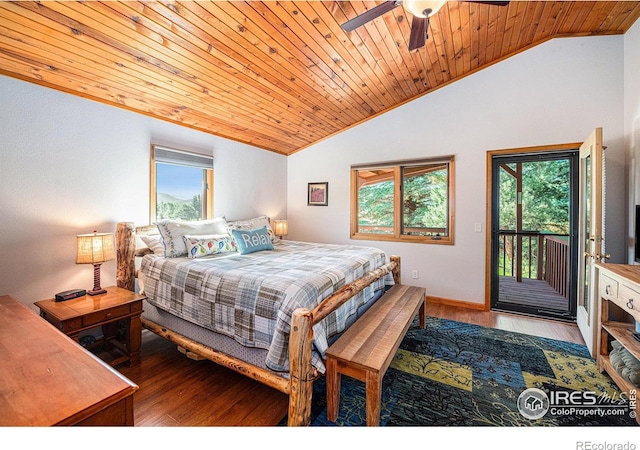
<point>457,303</point>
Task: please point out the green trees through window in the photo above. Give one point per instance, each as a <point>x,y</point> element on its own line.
<point>534,210</point>
<point>409,201</point>
<point>375,207</point>
<point>181,185</point>
<point>425,200</point>
<point>169,207</point>
<point>545,196</point>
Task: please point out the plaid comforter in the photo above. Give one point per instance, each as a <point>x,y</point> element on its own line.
<point>251,298</point>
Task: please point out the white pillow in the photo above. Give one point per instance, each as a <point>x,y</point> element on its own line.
<point>253,224</point>
<point>172,232</point>
<point>155,244</point>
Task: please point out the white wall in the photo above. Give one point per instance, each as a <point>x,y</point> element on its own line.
<point>555,93</point>
<point>632,124</point>
<point>70,166</point>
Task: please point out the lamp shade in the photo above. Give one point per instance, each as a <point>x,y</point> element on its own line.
<point>280,227</point>
<point>423,8</point>
<point>95,248</point>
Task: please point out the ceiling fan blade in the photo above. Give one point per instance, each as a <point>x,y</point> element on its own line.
<point>368,16</point>
<point>488,3</point>
<point>418,32</point>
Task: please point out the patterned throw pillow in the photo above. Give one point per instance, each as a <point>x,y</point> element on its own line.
<point>173,230</point>
<point>250,241</point>
<point>199,246</point>
<point>252,224</point>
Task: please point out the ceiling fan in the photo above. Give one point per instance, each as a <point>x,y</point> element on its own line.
<point>421,10</point>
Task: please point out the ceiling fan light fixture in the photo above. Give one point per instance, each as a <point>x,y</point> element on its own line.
<point>423,8</point>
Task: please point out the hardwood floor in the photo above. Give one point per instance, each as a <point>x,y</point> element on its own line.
<point>551,329</point>
<point>176,391</point>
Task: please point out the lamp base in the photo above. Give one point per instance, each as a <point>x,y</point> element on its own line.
<point>97,291</point>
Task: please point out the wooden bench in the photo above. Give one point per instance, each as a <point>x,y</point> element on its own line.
<point>366,349</point>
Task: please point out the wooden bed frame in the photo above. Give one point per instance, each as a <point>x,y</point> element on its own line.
<point>302,374</point>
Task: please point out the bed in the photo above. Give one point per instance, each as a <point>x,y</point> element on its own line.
<point>268,314</point>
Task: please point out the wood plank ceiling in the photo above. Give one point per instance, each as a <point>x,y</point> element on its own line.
<point>279,75</point>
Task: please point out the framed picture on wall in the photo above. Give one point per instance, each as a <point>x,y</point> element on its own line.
<point>318,194</point>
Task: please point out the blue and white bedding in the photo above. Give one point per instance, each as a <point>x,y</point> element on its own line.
<point>251,298</point>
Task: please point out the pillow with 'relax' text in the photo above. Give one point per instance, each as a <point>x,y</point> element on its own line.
<point>250,241</point>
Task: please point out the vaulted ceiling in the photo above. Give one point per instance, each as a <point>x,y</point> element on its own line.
<point>279,75</point>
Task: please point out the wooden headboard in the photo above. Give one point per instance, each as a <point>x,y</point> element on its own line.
<point>127,250</point>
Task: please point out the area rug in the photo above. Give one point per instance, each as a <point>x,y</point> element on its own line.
<point>458,374</point>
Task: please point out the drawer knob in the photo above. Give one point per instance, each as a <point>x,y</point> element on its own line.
<point>608,289</point>
<point>109,315</point>
<point>630,303</point>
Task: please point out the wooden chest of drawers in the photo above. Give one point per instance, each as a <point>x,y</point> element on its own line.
<point>48,379</point>
<point>619,288</point>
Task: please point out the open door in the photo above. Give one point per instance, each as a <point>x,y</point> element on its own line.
<point>590,236</point>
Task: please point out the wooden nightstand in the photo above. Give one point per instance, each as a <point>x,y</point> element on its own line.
<point>117,312</point>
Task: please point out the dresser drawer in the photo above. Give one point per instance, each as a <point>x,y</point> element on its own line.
<point>629,300</point>
<point>608,287</point>
<point>105,315</point>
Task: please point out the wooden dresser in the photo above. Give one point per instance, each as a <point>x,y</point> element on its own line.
<point>48,379</point>
<point>619,289</point>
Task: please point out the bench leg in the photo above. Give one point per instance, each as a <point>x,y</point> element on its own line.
<point>333,389</point>
<point>374,397</point>
<point>423,313</point>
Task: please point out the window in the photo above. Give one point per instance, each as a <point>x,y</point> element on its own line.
<point>408,201</point>
<point>181,185</point>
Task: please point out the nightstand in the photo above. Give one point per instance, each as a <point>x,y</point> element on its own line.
<point>117,312</point>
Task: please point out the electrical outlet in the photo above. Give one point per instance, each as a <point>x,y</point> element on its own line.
<point>414,274</point>
<point>478,227</point>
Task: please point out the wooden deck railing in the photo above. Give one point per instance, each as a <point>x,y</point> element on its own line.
<point>557,264</point>
<point>542,257</point>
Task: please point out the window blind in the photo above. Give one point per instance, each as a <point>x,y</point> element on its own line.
<point>178,157</point>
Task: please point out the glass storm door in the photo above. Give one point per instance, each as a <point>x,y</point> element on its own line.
<point>534,248</point>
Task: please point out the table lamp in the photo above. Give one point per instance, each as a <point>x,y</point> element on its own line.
<point>95,249</point>
<point>280,228</point>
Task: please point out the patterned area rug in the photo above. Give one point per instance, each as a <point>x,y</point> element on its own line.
<point>457,374</point>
